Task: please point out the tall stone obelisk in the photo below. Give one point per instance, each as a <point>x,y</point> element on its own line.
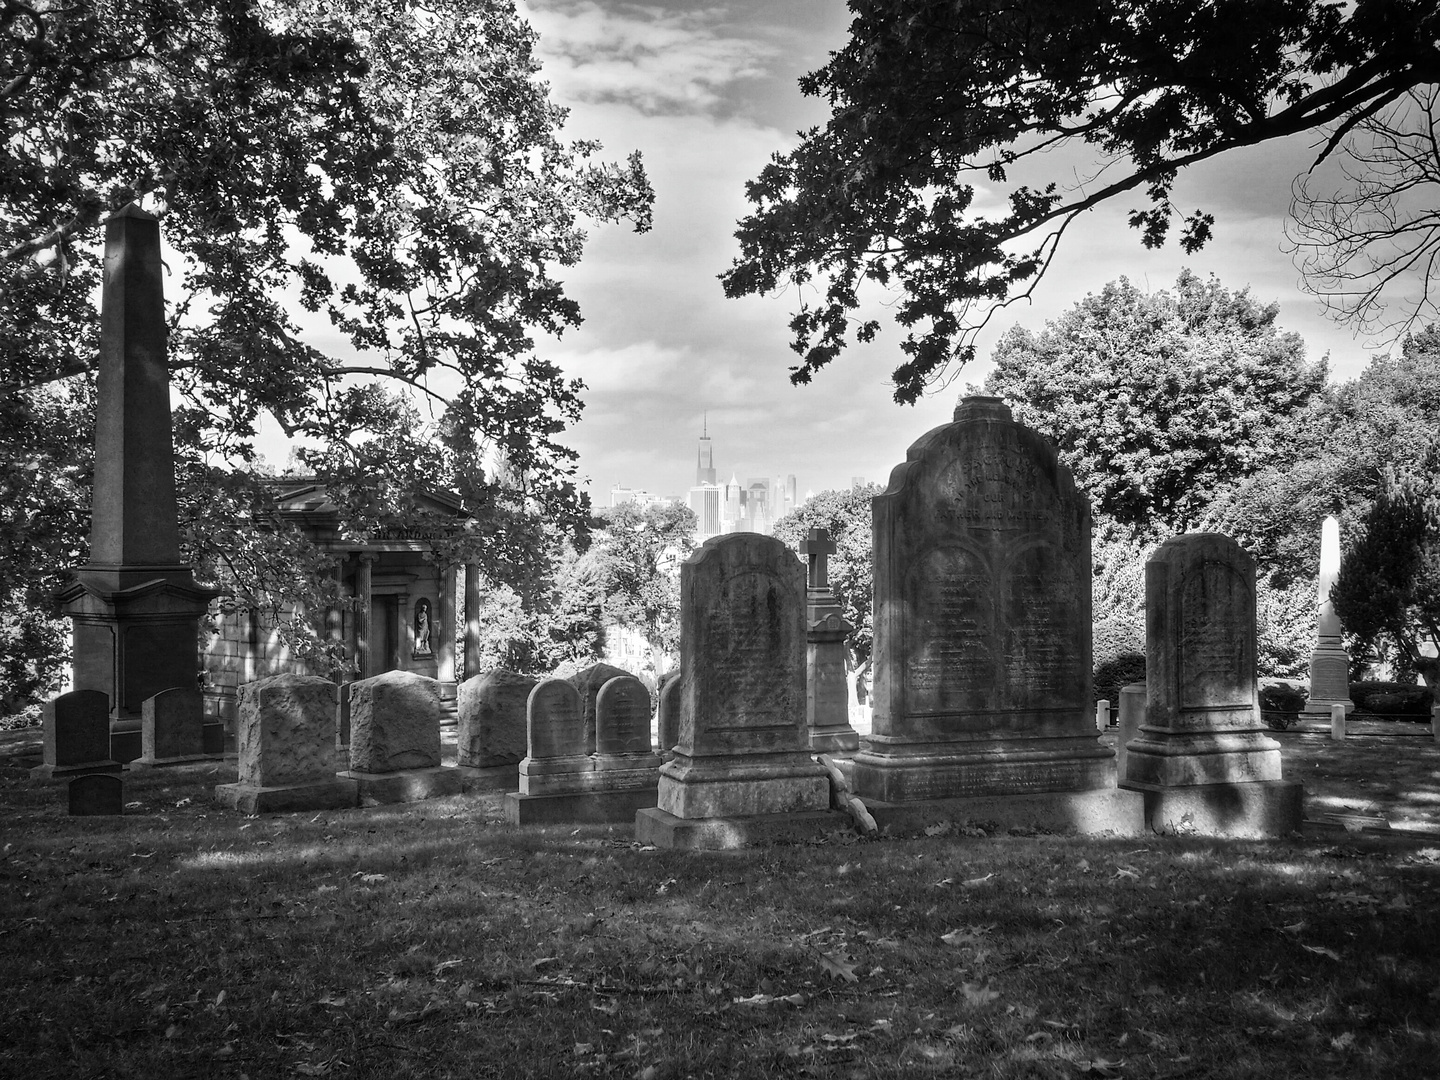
<point>1329,662</point>
<point>135,606</point>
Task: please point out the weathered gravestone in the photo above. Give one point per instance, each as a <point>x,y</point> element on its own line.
<point>588,683</point>
<point>1202,758</point>
<point>395,740</point>
<point>490,729</point>
<point>567,778</point>
<point>95,794</point>
<point>668,715</point>
<point>742,768</point>
<point>77,736</point>
<point>286,742</point>
<point>827,690</point>
<point>982,652</point>
<point>1132,715</point>
<point>172,728</point>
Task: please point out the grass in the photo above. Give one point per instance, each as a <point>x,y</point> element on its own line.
<point>433,940</point>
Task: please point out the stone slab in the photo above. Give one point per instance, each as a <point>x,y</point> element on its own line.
<point>577,807</point>
<point>69,772</point>
<point>125,744</point>
<point>96,795</point>
<point>490,777</point>
<point>405,785</point>
<point>844,740</point>
<point>394,723</point>
<point>491,719</point>
<point>337,794</point>
<point>1253,810</point>
<point>997,767</point>
<point>664,830</point>
<point>742,786</point>
<point>1089,813</point>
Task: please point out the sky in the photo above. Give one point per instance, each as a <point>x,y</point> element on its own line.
<point>707,94</point>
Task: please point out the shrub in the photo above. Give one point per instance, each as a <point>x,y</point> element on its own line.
<point>1392,699</point>
<point>1280,704</point>
<point>1116,672</point>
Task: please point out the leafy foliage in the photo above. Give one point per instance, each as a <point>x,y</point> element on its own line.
<point>1333,459</point>
<point>846,515</point>
<point>946,171</point>
<point>359,198</point>
<point>1159,401</point>
<point>633,568</point>
<point>1389,581</point>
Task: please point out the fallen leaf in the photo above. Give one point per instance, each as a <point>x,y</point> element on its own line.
<point>977,994</point>
<point>940,828</point>
<point>581,1049</point>
<point>304,1068</point>
<point>972,882</point>
<point>1320,950</point>
<point>1100,1067</point>
<point>544,961</point>
<point>371,879</point>
<point>838,966</point>
<point>1343,1042</point>
<point>960,938</point>
<point>943,882</point>
<point>1127,872</point>
<point>1083,866</point>
<point>839,1040</point>
<point>1294,928</point>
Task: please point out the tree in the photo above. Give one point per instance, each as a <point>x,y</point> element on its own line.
<point>634,564</point>
<point>1159,401</point>
<point>845,514</point>
<point>947,168</point>
<point>359,198</point>
<point>1334,458</point>
<point>1374,230</point>
<point>1389,581</point>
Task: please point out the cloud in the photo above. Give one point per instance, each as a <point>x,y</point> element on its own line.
<point>654,60</point>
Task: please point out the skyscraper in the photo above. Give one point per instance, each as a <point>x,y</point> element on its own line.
<point>705,459</point>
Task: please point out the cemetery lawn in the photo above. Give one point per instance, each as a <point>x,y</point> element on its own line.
<point>433,940</point>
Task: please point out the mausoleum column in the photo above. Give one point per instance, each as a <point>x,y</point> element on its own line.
<point>445,618</point>
<point>472,620</point>
<point>363,598</point>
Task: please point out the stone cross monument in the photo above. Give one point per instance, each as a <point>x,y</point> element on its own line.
<point>135,606</point>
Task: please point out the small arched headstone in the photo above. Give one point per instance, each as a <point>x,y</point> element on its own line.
<point>96,794</point>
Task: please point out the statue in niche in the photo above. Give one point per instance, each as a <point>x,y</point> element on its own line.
<point>423,630</point>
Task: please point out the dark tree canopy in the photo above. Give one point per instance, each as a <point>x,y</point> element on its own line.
<point>1159,401</point>
<point>365,206</point>
<point>946,171</point>
<point>1389,582</point>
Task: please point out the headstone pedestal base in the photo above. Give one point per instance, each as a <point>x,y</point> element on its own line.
<point>1106,810</point>
<point>490,777</point>
<point>840,740</point>
<point>742,785</point>
<point>578,807</point>
<point>892,770</point>
<point>337,794</point>
<point>1242,810</point>
<point>665,830</point>
<point>69,772</point>
<point>406,785</point>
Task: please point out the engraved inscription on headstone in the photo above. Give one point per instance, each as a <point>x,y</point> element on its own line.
<point>622,717</point>
<point>556,728</point>
<point>1216,658</point>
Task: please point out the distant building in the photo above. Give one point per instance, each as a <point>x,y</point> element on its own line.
<point>621,494</point>
<point>856,483</point>
<point>705,459</point>
<point>704,499</point>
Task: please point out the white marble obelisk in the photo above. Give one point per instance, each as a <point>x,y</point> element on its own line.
<point>1329,663</point>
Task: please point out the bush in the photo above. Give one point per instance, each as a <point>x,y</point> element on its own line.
<point>1392,699</point>
<point>1280,704</point>
<point>1116,672</point>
